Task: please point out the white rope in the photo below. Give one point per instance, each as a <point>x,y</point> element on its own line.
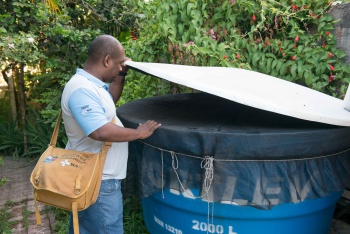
<point>207,164</point>
<point>252,160</point>
<point>175,165</point>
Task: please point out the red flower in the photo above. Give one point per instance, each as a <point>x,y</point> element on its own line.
<point>296,39</point>
<point>324,45</point>
<point>328,33</point>
<point>330,55</point>
<point>331,67</point>
<point>293,57</point>
<point>253,17</point>
<point>268,42</point>
<point>330,77</point>
<point>284,54</point>
<point>238,56</point>
<point>306,6</point>
<point>281,50</point>
<point>295,45</point>
<point>294,7</point>
<point>225,57</point>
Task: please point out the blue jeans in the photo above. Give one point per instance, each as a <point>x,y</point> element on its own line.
<point>106,215</point>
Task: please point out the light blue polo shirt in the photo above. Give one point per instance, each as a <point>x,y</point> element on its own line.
<point>86,107</point>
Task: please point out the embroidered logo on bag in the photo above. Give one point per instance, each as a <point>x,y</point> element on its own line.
<point>65,163</point>
<point>80,160</point>
<point>85,109</point>
<point>50,159</point>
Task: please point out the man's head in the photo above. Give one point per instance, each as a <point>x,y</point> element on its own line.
<point>105,57</point>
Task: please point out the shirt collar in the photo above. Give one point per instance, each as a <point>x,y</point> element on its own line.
<point>91,78</point>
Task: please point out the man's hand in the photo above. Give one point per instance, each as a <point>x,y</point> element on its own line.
<point>146,129</point>
<point>125,68</point>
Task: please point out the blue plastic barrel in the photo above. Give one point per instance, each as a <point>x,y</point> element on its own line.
<point>179,214</point>
<point>284,175</point>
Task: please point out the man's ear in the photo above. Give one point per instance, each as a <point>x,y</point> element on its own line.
<point>106,60</point>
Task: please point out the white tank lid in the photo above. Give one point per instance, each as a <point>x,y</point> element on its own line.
<point>256,90</point>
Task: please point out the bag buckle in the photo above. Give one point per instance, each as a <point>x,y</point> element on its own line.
<point>77,191</point>
<point>37,175</point>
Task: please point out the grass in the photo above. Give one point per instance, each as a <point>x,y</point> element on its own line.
<point>26,214</point>
<point>3,179</point>
<point>6,225</point>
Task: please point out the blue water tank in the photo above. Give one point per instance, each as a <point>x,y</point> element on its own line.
<point>215,166</point>
<point>177,213</point>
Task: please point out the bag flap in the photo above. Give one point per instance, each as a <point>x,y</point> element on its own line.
<point>66,172</point>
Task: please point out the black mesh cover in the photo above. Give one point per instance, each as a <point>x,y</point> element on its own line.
<point>234,153</point>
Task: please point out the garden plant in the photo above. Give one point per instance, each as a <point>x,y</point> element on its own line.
<point>291,40</point>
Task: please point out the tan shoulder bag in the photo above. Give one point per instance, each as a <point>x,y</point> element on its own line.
<point>67,179</point>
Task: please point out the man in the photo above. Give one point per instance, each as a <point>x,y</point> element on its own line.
<point>88,106</point>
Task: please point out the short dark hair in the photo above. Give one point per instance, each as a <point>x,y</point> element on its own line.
<point>102,46</point>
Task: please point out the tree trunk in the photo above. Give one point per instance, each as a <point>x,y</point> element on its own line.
<point>23,106</point>
<point>11,88</point>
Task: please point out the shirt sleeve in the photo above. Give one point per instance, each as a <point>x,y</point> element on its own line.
<point>87,110</point>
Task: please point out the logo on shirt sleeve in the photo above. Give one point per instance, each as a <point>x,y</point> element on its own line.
<point>85,109</point>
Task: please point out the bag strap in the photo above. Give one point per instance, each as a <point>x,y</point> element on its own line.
<point>75,217</point>
<point>37,212</point>
<point>55,131</point>
<point>54,136</point>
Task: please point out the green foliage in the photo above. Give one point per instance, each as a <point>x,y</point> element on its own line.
<point>5,226</point>
<point>5,216</point>
<point>25,215</point>
<point>3,179</point>
<point>62,220</point>
<point>133,217</point>
<point>51,39</point>
<point>291,40</point>
<point>39,134</point>
<point>11,139</point>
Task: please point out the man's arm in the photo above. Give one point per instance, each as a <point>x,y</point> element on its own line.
<point>116,87</point>
<point>114,133</point>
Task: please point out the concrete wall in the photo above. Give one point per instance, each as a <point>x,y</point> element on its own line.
<point>342,28</point>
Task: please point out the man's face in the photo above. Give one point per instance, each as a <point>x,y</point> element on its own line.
<point>115,66</point>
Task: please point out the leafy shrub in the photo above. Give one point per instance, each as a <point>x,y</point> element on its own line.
<point>291,40</point>
<point>11,138</point>
<point>133,216</point>
<point>38,132</point>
